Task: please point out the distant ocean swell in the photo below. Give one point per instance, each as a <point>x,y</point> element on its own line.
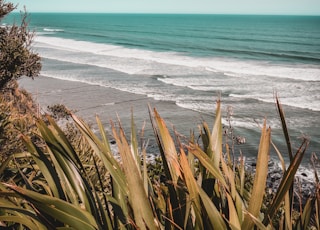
<point>297,84</point>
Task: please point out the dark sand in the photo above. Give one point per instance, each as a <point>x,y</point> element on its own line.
<point>90,100</point>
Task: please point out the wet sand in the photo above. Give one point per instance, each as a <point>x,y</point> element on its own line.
<point>108,103</point>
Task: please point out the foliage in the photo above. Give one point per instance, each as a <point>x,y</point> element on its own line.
<point>59,111</point>
<point>17,114</point>
<point>71,186</point>
<point>17,109</point>
<point>16,56</point>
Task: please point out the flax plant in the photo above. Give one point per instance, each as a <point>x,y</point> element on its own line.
<point>213,199</point>
<point>55,186</point>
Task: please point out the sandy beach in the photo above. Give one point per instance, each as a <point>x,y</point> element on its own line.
<point>90,100</point>
<point>108,103</point>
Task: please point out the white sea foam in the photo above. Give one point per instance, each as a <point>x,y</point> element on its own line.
<point>302,101</point>
<point>45,33</point>
<point>149,62</point>
<point>246,80</point>
<point>239,122</point>
<point>52,30</point>
<point>247,123</point>
<point>187,82</point>
<point>206,107</point>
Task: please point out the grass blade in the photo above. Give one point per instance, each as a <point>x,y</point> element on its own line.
<point>169,148</point>
<point>216,137</point>
<point>103,153</point>
<point>173,204</point>
<point>134,142</point>
<point>214,215</point>
<point>284,127</point>
<point>59,209</point>
<point>207,163</point>
<point>233,214</point>
<point>46,168</point>
<point>260,178</point>
<point>103,134</point>
<point>286,181</point>
<point>14,210</point>
<point>193,188</point>
<point>256,221</point>
<point>22,220</point>
<point>143,213</point>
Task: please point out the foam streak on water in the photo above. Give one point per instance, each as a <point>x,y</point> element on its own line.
<point>298,85</point>
<point>146,59</point>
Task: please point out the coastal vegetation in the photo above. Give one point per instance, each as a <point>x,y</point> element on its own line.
<point>71,177</point>
<point>16,57</point>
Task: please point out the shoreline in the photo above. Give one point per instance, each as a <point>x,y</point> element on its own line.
<point>88,100</point>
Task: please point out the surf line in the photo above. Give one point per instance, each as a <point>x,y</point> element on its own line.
<point>112,103</point>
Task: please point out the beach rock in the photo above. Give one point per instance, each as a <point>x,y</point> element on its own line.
<point>304,183</point>
<point>240,140</point>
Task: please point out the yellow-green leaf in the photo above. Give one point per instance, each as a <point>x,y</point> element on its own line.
<point>193,189</point>
<point>169,148</point>
<point>140,204</point>
<point>216,137</point>
<point>260,178</point>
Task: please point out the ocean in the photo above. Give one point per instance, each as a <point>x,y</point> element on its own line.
<point>192,60</point>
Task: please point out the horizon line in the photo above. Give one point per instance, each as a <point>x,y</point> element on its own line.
<point>171,13</point>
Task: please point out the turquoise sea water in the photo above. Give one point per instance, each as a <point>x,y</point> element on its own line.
<point>191,59</point>
<point>272,38</point>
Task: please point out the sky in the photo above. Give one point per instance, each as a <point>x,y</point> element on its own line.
<point>284,7</point>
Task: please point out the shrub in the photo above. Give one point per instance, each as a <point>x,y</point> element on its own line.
<point>16,57</point>
<point>17,116</point>
<point>200,189</point>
